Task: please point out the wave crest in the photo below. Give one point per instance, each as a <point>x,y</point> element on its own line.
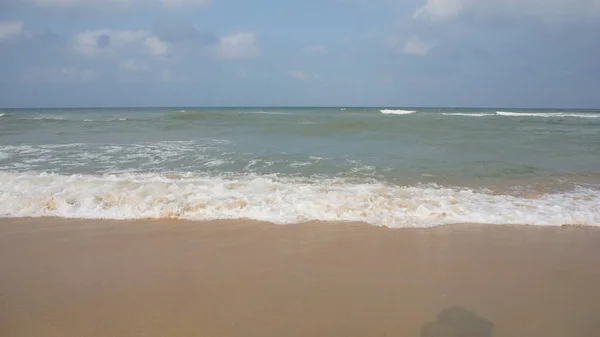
<point>281,200</point>
<point>397,112</point>
<point>546,114</point>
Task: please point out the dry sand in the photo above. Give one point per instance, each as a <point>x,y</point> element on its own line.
<point>240,278</point>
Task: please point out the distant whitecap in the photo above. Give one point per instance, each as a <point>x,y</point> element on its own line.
<point>397,112</point>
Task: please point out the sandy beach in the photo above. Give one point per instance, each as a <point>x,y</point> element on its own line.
<point>241,278</point>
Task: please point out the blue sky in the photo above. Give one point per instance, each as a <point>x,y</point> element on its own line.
<point>480,53</point>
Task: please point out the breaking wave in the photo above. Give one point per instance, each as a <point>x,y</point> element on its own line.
<point>397,112</point>
<point>281,200</point>
<point>546,114</point>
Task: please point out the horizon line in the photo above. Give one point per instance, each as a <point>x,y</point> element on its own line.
<point>290,106</point>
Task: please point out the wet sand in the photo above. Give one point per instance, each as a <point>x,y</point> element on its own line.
<point>241,278</point>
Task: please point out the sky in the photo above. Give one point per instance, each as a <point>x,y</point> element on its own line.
<point>450,53</point>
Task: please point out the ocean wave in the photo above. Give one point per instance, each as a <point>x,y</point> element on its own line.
<point>397,112</point>
<point>112,157</point>
<point>65,118</point>
<point>468,114</point>
<point>105,120</point>
<point>546,114</point>
<point>281,200</point>
<point>46,118</point>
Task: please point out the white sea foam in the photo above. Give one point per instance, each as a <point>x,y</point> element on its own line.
<point>216,163</point>
<point>546,114</point>
<point>397,112</point>
<point>297,164</point>
<point>468,114</point>
<point>112,157</point>
<point>280,200</point>
<point>2,115</point>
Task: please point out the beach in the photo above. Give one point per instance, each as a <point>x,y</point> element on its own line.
<point>199,168</point>
<point>299,221</point>
<point>77,277</point>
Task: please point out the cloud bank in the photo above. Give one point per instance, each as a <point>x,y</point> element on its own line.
<point>547,9</point>
<point>199,52</point>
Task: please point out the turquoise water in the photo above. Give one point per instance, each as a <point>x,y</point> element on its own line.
<point>393,167</point>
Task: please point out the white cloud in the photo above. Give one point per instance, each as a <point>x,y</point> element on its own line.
<point>304,75</point>
<point>156,46</point>
<point>11,31</point>
<point>72,74</point>
<point>238,46</point>
<point>441,9</point>
<point>129,51</point>
<point>108,43</point>
<point>550,9</point>
<point>415,46</point>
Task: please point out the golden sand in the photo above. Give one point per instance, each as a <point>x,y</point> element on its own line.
<point>240,278</point>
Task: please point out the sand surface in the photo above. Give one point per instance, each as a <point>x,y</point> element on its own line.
<point>240,278</point>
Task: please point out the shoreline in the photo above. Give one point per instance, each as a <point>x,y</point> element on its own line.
<point>71,277</point>
<point>48,220</point>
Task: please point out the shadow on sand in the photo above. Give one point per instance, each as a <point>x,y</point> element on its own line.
<point>458,322</point>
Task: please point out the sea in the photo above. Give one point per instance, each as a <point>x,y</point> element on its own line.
<point>394,167</point>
